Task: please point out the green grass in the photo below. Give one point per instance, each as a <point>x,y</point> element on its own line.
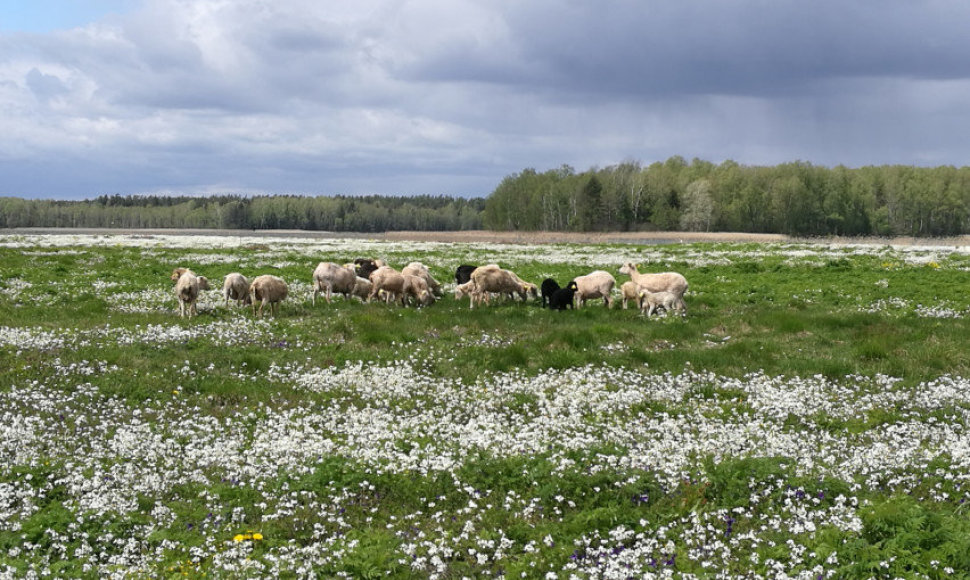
<point>758,313</point>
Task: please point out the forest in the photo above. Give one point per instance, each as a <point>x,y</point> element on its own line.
<point>323,213</point>
<point>792,198</point>
<point>796,198</point>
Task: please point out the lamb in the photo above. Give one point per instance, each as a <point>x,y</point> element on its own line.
<point>650,301</point>
<point>563,298</point>
<point>597,284</point>
<point>549,286</point>
<point>465,289</point>
<point>187,290</point>
<point>663,282</point>
<point>629,291</point>
<point>267,289</point>
<point>235,287</point>
<point>420,270</point>
<point>362,288</point>
<point>391,282</point>
<point>499,281</point>
<point>329,278</point>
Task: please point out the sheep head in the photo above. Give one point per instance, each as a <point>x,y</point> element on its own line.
<point>177,273</point>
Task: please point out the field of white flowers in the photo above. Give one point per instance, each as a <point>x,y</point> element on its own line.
<point>389,467</point>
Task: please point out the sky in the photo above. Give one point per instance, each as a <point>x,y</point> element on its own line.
<point>448,97</point>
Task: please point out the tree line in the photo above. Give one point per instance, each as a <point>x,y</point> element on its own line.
<point>338,213</point>
<point>792,198</point>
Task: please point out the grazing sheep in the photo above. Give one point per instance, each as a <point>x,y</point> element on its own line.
<point>363,267</point>
<point>463,274</point>
<point>417,287</point>
<point>329,278</point>
<point>528,288</point>
<point>187,290</point>
<point>549,286</point>
<point>235,287</point>
<point>663,282</point>
<point>362,288</point>
<point>466,289</point>
<point>629,291</point>
<point>598,284</point>
<point>420,270</point>
<point>498,281</point>
<point>651,301</point>
<point>563,298</point>
<point>267,289</point>
<point>391,282</point>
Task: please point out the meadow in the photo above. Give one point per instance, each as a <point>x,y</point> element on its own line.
<point>807,419</point>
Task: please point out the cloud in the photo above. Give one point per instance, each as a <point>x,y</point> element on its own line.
<point>448,96</point>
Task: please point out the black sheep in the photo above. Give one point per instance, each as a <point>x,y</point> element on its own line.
<point>464,274</point>
<point>549,287</point>
<point>365,267</point>
<point>563,298</point>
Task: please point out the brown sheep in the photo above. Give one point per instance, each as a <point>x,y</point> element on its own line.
<point>498,281</point>
<point>629,291</point>
<point>267,289</point>
<point>235,287</point>
<point>420,270</point>
<point>417,287</point>
<point>391,282</point>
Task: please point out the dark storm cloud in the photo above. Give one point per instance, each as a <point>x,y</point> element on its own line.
<point>449,96</point>
<point>750,48</point>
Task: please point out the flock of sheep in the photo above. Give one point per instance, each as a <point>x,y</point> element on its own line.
<point>368,279</point>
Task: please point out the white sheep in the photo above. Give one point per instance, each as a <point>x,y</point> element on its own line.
<point>466,289</point>
<point>629,291</point>
<point>651,301</point>
<point>267,289</point>
<point>671,282</point>
<point>329,278</point>
<point>597,284</point>
<point>235,286</point>
<point>187,290</point>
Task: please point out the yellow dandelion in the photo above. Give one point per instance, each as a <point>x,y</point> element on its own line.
<point>257,536</point>
<point>238,538</point>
